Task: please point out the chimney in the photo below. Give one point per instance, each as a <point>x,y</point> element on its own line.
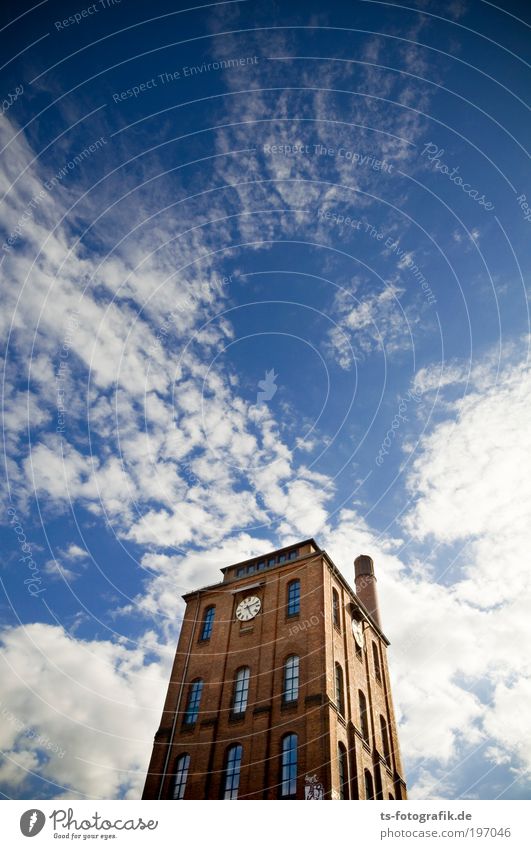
<point>366,585</point>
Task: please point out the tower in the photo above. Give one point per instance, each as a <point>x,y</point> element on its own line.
<point>280,687</point>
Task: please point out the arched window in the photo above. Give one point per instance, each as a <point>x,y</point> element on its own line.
<point>231,777</point>
<point>182,765</point>
<point>289,765</point>
<point>194,700</point>
<point>340,690</point>
<point>357,631</point>
<point>241,690</point>
<point>364,717</point>
<point>369,786</point>
<point>294,597</point>
<point>376,658</point>
<point>336,613</point>
<point>290,691</point>
<point>343,771</point>
<point>208,622</point>
<point>385,741</point>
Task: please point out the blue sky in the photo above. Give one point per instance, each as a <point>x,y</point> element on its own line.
<point>333,195</point>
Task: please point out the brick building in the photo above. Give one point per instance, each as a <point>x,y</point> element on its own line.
<point>280,688</point>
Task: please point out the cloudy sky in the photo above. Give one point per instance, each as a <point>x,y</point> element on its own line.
<point>264,276</point>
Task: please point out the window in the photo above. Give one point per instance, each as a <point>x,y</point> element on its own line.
<point>281,558</point>
<point>289,765</point>
<point>182,766</point>
<point>241,690</point>
<point>293,554</point>
<point>376,658</point>
<point>271,562</point>
<point>369,787</point>
<point>385,741</point>
<point>340,690</point>
<point>364,718</point>
<point>294,597</point>
<point>208,622</point>
<point>335,609</point>
<point>343,771</point>
<point>231,780</point>
<point>251,568</point>
<point>290,691</point>
<point>241,571</point>
<point>261,566</point>
<point>194,700</point>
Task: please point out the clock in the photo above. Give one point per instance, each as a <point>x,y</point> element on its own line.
<point>248,608</point>
<point>357,630</point>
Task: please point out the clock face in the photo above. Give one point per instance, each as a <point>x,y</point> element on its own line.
<point>248,608</point>
<point>357,630</point>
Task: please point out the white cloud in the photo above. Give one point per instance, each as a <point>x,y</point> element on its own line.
<point>75,555</point>
<point>75,552</point>
<point>471,490</point>
<point>512,700</point>
<point>57,571</point>
<point>471,477</point>
<point>80,713</point>
<point>368,323</point>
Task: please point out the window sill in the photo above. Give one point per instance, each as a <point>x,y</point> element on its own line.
<point>293,615</point>
<point>237,717</point>
<point>386,764</point>
<point>292,705</point>
<point>262,709</point>
<point>340,715</point>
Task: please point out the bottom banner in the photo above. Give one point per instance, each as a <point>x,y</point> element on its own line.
<point>266,824</point>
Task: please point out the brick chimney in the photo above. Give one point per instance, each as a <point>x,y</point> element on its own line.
<point>366,585</point>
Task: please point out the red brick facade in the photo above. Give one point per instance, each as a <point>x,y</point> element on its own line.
<point>331,738</point>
